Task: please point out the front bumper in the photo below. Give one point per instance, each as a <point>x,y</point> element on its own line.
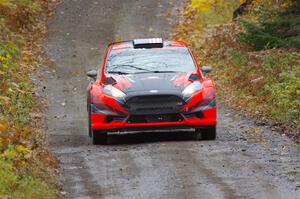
<point>124,123</point>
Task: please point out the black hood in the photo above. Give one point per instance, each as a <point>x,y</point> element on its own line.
<point>152,93</point>
<point>153,84</point>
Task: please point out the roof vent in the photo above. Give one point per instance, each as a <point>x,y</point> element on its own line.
<point>148,43</point>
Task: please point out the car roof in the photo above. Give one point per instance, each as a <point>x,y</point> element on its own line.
<point>147,43</point>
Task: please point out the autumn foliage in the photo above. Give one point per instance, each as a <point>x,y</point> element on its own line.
<point>275,28</point>
<point>26,167</point>
<point>265,83</point>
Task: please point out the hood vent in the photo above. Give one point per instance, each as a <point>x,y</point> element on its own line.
<point>110,81</point>
<point>194,77</point>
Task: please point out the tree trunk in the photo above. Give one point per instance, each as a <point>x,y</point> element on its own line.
<point>242,9</point>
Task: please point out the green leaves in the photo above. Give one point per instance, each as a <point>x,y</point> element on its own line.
<point>287,92</point>
<point>281,31</point>
<point>25,165</point>
<point>15,84</point>
<point>210,12</point>
<point>17,185</point>
<point>14,4</point>
<point>9,52</point>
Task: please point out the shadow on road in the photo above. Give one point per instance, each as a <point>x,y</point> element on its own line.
<point>127,138</point>
<point>149,137</point>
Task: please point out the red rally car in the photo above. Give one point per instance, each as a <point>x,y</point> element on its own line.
<point>150,84</point>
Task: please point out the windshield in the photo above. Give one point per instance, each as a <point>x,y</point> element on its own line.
<point>154,60</point>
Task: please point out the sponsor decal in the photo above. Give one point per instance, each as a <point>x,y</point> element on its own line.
<point>153,91</point>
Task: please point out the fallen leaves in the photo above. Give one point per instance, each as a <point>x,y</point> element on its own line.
<point>21,53</point>
<point>3,126</point>
<point>265,83</point>
<point>4,99</point>
<point>256,80</point>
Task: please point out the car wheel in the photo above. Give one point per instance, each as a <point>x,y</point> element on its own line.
<point>99,137</point>
<point>90,122</point>
<point>208,133</point>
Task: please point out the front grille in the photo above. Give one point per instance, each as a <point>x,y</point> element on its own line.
<point>155,118</point>
<point>154,104</point>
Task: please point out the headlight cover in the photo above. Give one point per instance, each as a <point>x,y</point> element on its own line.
<point>114,92</point>
<point>192,89</point>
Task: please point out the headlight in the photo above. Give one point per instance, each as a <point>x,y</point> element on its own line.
<point>192,88</point>
<point>114,92</point>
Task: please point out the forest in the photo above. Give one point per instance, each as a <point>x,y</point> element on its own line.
<point>253,46</point>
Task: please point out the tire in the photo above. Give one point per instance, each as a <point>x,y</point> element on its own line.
<point>209,133</point>
<point>90,122</point>
<point>99,137</point>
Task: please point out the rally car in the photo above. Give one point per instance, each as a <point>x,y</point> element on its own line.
<point>150,84</point>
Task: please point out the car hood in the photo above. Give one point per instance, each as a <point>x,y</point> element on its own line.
<point>152,83</point>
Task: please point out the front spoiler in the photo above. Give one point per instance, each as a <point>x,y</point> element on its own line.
<point>209,119</point>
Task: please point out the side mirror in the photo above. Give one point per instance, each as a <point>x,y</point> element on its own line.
<point>206,69</point>
<point>92,74</point>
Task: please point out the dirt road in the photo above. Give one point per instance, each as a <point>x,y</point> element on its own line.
<point>241,163</point>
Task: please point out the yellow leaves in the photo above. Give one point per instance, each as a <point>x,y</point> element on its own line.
<point>2,58</point>
<point>22,150</point>
<point>5,59</point>
<point>22,29</point>
<point>10,153</point>
<point>204,13</point>
<point>3,133</point>
<point>210,5</point>
<point>285,4</point>
<point>4,2</point>
<point>2,143</point>
<point>3,127</point>
<point>14,144</point>
<point>14,135</point>
<point>17,154</point>
<point>7,53</point>
<point>203,5</point>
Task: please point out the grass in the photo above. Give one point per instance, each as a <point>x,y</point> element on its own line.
<point>27,169</point>
<point>265,83</point>
<point>293,173</point>
<point>20,185</point>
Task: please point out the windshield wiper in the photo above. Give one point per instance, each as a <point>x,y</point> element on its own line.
<point>127,65</point>
<point>118,72</point>
<point>166,71</point>
<point>156,71</point>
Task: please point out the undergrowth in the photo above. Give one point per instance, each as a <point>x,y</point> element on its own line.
<point>265,83</point>
<point>277,27</point>
<point>27,169</point>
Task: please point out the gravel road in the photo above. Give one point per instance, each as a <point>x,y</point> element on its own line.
<point>246,160</point>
